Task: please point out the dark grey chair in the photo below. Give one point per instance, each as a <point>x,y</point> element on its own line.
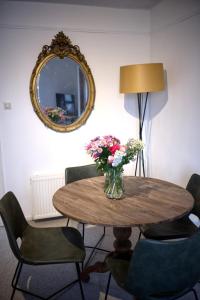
<point>82,172</point>
<point>39,246</point>
<point>159,269</point>
<point>179,228</point>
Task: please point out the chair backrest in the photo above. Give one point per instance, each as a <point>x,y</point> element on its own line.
<point>193,187</point>
<point>164,267</point>
<point>13,220</point>
<point>81,172</point>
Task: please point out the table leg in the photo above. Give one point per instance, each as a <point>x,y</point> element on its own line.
<point>122,248</point>
<point>122,242</point>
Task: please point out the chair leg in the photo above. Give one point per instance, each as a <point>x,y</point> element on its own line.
<point>15,282</point>
<point>67,222</point>
<point>83,232</point>
<point>16,278</point>
<point>139,235</point>
<point>104,230</point>
<point>79,280</point>
<point>95,248</point>
<point>195,294</point>
<point>16,270</point>
<point>108,286</point>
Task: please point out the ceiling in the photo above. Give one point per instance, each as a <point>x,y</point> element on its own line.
<point>127,4</point>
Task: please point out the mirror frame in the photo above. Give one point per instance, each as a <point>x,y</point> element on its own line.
<point>62,47</point>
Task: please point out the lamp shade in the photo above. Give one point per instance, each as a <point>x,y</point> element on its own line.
<point>142,78</point>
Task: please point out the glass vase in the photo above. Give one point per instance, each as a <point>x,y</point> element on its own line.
<point>113,186</point>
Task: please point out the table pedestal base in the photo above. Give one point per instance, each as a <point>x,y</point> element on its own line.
<point>122,249</point>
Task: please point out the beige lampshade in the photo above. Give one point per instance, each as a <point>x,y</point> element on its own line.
<point>142,78</point>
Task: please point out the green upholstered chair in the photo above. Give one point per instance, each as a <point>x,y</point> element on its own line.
<point>39,246</point>
<point>159,269</point>
<point>179,228</point>
<point>83,172</point>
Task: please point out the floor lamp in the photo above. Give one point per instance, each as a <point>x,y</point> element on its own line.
<point>141,79</point>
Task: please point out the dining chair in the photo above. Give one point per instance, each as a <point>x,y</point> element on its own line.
<point>158,269</point>
<point>181,227</point>
<point>83,172</point>
<point>39,246</point>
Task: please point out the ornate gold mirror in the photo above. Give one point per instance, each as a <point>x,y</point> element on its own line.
<point>62,87</point>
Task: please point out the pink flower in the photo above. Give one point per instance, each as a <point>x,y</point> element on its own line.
<point>123,148</point>
<point>100,150</point>
<point>110,159</point>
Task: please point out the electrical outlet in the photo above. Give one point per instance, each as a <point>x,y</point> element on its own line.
<point>7,105</point>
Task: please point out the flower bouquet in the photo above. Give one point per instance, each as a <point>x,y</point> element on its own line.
<point>55,114</point>
<point>110,156</point>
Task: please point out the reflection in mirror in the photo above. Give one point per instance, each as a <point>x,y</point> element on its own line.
<point>62,90</point>
<point>62,87</point>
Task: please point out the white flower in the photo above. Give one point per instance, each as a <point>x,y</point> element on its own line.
<point>135,144</point>
<point>117,158</point>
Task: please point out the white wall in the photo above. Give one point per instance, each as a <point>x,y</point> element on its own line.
<point>1,180</point>
<point>175,121</point>
<point>108,38</point>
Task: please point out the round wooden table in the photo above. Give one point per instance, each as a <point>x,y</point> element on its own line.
<point>145,201</point>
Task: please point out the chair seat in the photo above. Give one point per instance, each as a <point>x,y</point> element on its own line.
<point>180,228</point>
<point>54,245</point>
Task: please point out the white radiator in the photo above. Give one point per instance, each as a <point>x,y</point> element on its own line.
<point>43,188</point>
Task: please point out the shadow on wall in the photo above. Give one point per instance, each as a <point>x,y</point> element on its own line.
<point>157,101</point>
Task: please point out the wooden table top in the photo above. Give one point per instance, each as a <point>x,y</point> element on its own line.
<point>146,201</point>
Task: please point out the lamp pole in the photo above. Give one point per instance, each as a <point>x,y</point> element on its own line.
<point>142,105</point>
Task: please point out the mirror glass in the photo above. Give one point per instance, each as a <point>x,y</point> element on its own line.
<point>62,90</point>
<point>62,87</point>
